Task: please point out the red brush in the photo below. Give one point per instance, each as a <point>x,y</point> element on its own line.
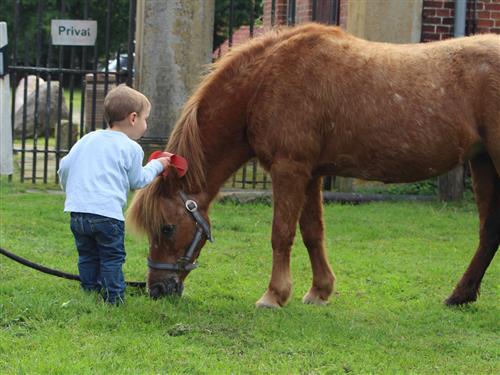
<point>176,161</point>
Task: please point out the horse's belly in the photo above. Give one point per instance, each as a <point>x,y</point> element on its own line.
<point>392,166</point>
<point>398,152</point>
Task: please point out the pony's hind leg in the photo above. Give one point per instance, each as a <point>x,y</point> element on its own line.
<point>487,189</point>
<point>311,227</point>
<point>289,186</point>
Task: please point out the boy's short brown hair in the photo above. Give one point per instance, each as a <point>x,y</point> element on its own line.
<point>121,101</point>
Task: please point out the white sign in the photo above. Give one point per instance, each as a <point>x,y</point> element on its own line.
<point>73,32</point>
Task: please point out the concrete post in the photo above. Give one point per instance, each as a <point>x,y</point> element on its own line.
<point>392,21</point>
<point>6,157</point>
<point>451,185</point>
<point>173,45</point>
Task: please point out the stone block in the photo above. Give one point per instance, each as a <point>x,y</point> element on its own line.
<point>42,110</point>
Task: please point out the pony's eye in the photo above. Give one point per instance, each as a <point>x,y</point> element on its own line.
<point>168,230</point>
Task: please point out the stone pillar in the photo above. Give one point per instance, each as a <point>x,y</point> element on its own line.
<point>173,45</point>
<point>392,21</point>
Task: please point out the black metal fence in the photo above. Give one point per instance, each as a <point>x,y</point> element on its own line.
<point>57,88</point>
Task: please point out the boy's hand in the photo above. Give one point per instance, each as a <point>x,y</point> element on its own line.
<point>165,161</point>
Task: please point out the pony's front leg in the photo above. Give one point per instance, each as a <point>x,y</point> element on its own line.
<point>311,227</point>
<point>289,186</point>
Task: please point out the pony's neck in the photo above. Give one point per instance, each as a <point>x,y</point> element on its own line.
<point>219,110</point>
<point>222,164</point>
<point>224,142</point>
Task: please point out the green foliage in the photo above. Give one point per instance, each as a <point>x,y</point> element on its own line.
<point>30,33</point>
<point>426,187</point>
<point>395,263</point>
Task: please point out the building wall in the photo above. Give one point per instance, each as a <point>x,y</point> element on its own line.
<point>437,15</point>
<point>438,18</point>
<point>280,13</point>
<point>488,16</point>
<point>343,14</point>
<point>303,12</point>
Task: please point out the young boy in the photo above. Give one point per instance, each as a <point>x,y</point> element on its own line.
<point>96,175</point>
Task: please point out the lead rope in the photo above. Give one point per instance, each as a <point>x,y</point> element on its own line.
<point>57,273</point>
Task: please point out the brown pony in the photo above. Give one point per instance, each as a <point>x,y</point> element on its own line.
<point>313,100</point>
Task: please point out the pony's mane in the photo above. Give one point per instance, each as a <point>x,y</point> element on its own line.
<point>185,141</point>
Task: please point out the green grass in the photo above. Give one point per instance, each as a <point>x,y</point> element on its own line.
<point>395,263</point>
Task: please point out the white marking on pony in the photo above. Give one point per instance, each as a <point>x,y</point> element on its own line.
<point>398,98</point>
<point>484,68</point>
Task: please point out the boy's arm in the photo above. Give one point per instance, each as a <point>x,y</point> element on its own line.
<point>63,171</point>
<point>140,176</point>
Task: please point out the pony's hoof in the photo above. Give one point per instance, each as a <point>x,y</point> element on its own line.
<point>457,300</point>
<point>266,301</point>
<point>313,299</point>
<point>462,296</point>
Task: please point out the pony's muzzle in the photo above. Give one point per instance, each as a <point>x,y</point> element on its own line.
<point>169,287</point>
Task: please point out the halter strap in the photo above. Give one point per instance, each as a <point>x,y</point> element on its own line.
<point>186,263</point>
<point>192,208</point>
<point>171,266</point>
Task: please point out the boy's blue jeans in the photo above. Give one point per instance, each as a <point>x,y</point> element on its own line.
<point>101,254</point>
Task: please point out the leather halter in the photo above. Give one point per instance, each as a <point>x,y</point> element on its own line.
<point>186,262</point>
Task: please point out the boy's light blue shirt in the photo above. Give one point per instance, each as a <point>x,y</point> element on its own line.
<point>100,170</point>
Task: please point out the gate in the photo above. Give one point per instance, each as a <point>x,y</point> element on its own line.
<point>57,88</point>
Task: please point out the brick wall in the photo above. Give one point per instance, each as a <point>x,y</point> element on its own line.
<point>280,12</point>
<point>438,17</point>
<point>488,16</point>
<point>343,14</point>
<point>303,12</point>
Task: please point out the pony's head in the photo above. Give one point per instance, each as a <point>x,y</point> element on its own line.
<point>177,227</point>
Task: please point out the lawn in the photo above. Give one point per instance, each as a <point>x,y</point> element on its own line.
<point>395,263</point>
